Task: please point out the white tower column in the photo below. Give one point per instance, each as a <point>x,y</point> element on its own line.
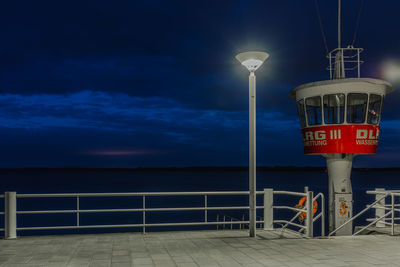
<point>340,192</point>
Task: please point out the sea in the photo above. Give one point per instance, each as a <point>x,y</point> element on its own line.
<point>171,180</point>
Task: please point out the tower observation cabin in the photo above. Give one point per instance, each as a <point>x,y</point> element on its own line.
<point>339,119</point>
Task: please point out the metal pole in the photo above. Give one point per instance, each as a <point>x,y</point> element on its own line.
<point>252,154</point>
<point>10,215</point>
<point>339,22</point>
<point>380,212</point>
<point>309,219</point>
<point>323,215</point>
<point>77,211</point>
<point>268,209</point>
<point>144,214</point>
<point>392,230</point>
<point>205,206</point>
<point>358,62</point>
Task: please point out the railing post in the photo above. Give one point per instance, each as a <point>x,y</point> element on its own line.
<point>224,223</point>
<point>10,215</point>
<point>268,209</point>
<point>309,219</point>
<point>205,208</point>
<point>77,211</point>
<point>380,212</point>
<point>392,230</point>
<point>323,215</point>
<point>144,215</point>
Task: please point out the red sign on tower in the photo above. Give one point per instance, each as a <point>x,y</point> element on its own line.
<point>359,139</point>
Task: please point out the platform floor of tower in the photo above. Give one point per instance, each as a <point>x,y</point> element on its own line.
<point>199,248</point>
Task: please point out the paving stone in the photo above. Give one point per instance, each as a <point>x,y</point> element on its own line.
<point>198,248</point>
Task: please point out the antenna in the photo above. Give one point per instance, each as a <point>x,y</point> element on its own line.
<point>339,21</point>
<point>343,62</point>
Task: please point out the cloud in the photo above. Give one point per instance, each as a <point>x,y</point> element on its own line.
<point>121,112</point>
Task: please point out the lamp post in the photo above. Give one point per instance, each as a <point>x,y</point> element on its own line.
<point>252,60</point>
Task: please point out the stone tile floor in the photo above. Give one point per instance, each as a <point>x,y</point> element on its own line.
<point>199,248</point>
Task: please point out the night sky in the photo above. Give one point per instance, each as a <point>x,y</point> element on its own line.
<point>155,83</point>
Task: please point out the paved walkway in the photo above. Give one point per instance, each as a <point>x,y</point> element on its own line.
<point>199,248</point>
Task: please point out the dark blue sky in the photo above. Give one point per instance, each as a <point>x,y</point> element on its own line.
<point>155,83</point>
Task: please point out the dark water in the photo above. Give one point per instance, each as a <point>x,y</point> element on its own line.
<point>83,181</point>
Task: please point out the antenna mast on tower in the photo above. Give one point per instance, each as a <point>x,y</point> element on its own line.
<point>346,61</point>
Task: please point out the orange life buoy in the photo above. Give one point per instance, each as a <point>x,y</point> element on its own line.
<point>300,205</point>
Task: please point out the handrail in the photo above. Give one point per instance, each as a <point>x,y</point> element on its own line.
<point>77,210</point>
<point>144,209</point>
<point>307,209</point>
<point>358,215</point>
<point>374,192</point>
<point>126,194</point>
<point>289,193</point>
<point>375,221</point>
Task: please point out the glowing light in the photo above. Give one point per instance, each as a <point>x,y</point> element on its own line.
<point>391,71</point>
<point>252,60</point>
<point>252,64</point>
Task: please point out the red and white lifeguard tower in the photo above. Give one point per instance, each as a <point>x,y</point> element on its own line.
<point>339,119</point>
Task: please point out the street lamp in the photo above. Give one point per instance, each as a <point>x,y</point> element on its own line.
<point>252,60</point>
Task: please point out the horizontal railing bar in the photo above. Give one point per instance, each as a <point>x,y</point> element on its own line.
<point>383,208</point>
<point>45,211</point>
<point>2,213</point>
<point>134,210</point>
<point>289,193</point>
<point>388,205</point>
<point>396,192</point>
<point>290,208</point>
<point>126,194</point>
<point>384,219</point>
<point>291,223</point>
<point>132,225</point>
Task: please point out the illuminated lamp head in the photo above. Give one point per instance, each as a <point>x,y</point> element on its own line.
<point>252,60</point>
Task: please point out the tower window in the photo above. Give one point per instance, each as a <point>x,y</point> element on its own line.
<point>356,107</point>
<point>313,109</point>
<point>374,109</point>
<point>301,113</point>
<point>334,108</point>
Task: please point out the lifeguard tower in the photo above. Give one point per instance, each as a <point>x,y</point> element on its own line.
<point>339,119</point>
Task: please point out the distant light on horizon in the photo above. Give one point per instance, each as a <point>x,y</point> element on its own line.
<point>120,152</point>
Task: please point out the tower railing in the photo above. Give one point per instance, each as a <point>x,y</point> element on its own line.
<point>348,58</point>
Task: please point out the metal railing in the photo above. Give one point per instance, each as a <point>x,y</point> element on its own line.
<point>349,57</point>
<point>382,211</point>
<point>144,210</point>
<point>11,226</point>
<point>310,219</point>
